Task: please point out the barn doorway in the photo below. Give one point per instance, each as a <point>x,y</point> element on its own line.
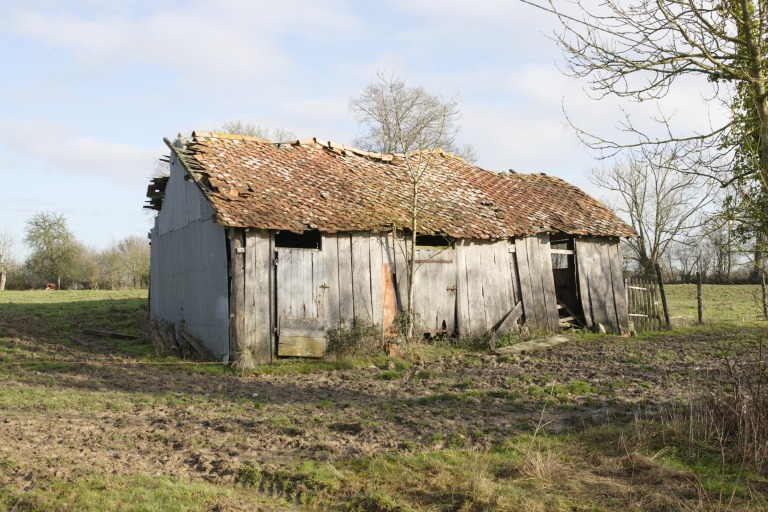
<point>564,272</point>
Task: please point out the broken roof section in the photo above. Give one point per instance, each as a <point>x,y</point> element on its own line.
<point>306,185</point>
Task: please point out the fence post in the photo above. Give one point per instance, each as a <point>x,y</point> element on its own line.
<point>762,284</point>
<point>699,298</point>
<point>663,295</point>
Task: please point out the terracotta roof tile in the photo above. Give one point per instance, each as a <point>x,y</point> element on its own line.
<point>311,184</point>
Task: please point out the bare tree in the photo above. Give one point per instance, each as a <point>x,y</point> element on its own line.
<point>6,252</point>
<point>134,257</point>
<point>639,50</point>
<point>398,118</point>
<point>243,128</point>
<point>662,205</point>
<point>414,124</point>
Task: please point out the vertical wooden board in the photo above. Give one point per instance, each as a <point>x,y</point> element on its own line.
<point>462,298</point>
<point>388,249</point>
<point>537,284</point>
<point>302,284</point>
<point>504,275</point>
<point>346,301</point>
<point>376,245</point>
<point>422,292</point>
<point>619,292</point>
<point>434,290</point>
<point>329,280</point>
<point>600,283</point>
<point>515,278</point>
<point>483,255</point>
<point>318,275</point>
<point>583,262</point>
<point>258,294</point>
<point>474,286</point>
<point>548,283</point>
<point>237,292</point>
<point>389,302</point>
<point>401,273</point>
<point>494,284</point>
<point>284,282</point>
<point>361,277</point>
<point>308,305</point>
<point>446,290</point>
<point>524,274</point>
<point>281,280</point>
<point>250,295</point>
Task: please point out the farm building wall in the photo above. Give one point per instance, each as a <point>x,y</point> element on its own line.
<point>189,265</point>
<point>601,283</point>
<point>469,288</point>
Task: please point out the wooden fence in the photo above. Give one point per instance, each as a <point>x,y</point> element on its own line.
<point>644,304</point>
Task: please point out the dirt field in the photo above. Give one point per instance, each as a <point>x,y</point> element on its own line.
<point>70,410</point>
<point>97,423</point>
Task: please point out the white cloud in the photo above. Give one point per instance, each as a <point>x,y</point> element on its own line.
<point>51,148</point>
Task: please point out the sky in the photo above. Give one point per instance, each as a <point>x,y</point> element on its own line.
<point>89,89</point>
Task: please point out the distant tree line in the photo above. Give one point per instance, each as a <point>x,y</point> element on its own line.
<point>56,256</point>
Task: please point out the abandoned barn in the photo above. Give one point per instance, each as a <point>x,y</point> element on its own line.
<point>258,247</point>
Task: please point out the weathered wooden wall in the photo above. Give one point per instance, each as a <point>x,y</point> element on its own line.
<point>189,266</point>
<point>470,289</point>
<point>534,264</point>
<point>434,292</point>
<point>251,292</point>
<point>601,284</point>
<point>487,285</point>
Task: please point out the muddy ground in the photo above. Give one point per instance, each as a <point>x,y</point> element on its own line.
<point>97,412</point>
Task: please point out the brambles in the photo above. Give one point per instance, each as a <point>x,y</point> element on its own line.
<point>356,338</point>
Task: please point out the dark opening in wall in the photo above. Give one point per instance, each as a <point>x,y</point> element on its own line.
<point>305,240</point>
<point>433,241</point>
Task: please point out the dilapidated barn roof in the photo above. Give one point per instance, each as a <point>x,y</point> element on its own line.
<point>305,185</point>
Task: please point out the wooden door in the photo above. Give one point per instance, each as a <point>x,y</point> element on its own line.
<point>300,290</point>
<point>434,293</point>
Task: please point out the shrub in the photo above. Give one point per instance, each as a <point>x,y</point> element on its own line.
<point>355,338</point>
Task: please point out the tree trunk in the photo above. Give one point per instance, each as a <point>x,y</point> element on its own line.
<point>699,299</point>
<point>663,295</point>
<point>2,279</point>
<point>411,311</point>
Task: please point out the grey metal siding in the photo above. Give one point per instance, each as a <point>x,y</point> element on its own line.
<point>189,266</point>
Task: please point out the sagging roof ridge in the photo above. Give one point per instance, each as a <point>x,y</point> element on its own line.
<point>337,147</point>
<point>241,201</point>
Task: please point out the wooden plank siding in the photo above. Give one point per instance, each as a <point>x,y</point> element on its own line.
<point>330,279</point>
<point>361,277</point>
<point>526,288</point>
<point>258,293</point>
<point>537,283</point>
<point>617,281</point>
<point>548,283</point>
<point>486,286</point>
<point>434,291</point>
<point>346,302</point>
<point>300,309</point>
<point>601,285</point>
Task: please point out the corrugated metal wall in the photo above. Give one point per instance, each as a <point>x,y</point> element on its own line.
<point>189,285</point>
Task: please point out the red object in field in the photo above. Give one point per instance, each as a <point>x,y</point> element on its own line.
<point>50,287</point>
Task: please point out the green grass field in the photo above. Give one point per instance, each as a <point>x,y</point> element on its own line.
<point>722,303</point>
